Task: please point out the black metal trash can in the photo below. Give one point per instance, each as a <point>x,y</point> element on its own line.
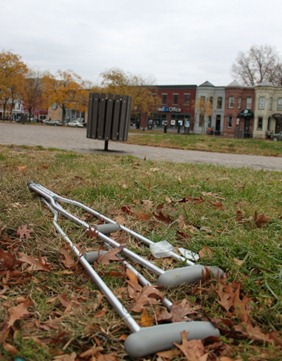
<point>108,117</point>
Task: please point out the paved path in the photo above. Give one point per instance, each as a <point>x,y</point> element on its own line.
<point>75,139</point>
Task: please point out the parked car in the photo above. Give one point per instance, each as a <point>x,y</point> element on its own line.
<point>52,122</point>
<point>276,136</point>
<point>75,123</point>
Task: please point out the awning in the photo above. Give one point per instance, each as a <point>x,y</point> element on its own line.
<point>246,113</point>
<point>277,116</point>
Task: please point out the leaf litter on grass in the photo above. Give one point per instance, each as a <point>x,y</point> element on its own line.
<point>69,318</point>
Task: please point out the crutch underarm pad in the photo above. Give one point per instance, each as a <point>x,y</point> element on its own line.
<point>158,338</point>
<point>190,274</point>
<point>107,228</point>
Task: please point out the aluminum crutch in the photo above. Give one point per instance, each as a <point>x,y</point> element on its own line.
<point>146,340</point>
<point>168,279</point>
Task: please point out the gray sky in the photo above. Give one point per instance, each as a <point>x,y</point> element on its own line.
<point>169,41</point>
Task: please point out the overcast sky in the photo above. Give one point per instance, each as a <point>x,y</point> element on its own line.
<point>169,41</point>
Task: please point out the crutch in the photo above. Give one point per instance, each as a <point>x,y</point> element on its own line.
<point>168,279</point>
<point>147,340</point>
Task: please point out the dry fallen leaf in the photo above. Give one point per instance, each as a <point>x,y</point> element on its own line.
<point>36,265</point>
<point>19,312</point>
<point>193,350</point>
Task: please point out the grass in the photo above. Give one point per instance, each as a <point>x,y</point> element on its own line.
<point>206,143</point>
<point>232,217</point>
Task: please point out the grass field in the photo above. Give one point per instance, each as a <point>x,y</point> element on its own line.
<point>51,310</point>
<point>206,143</point>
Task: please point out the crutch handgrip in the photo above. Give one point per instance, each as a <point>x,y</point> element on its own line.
<point>107,228</point>
<point>190,274</point>
<point>149,340</point>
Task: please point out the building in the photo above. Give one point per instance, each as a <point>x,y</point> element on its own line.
<point>268,110</point>
<point>177,107</point>
<point>209,109</point>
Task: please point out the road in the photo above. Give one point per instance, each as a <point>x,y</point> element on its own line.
<point>75,139</point>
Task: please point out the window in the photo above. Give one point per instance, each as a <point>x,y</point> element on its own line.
<point>211,101</point>
<point>201,120</point>
<point>219,103</point>
<point>164,98</point>
<point>187,99</point>
<point>261,103</point>
<point>239,104</point>
<point>270,103</point>
<point>249,103</point>
<point>260,123</point>
<point>175,98</point>
<point>229,121</point>
<point>231,102</point>
<point>279,104</point>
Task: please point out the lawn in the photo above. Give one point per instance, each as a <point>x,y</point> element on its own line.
<point>51,310</point>
<point>206,143</point>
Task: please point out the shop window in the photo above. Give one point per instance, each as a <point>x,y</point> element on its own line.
<point>187,99</point>
<point>249,103</point>
<point>175,98</point>
<point>279,104</point>
<point>229,121</point>
<point>164,98</point>
<point>260,123</point>
<point>261,103</point>
<point>219,103</point>
<point>231,102</point>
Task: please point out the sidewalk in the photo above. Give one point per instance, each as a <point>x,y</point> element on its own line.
<point>75,139</point>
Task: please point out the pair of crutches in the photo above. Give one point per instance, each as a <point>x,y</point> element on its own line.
<point>146,340</point>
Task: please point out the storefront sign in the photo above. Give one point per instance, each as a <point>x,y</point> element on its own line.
<point>169,109</point>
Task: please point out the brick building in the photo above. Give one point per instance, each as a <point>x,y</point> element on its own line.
<point>177,106</point>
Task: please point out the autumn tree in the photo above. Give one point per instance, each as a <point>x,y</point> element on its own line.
<point>12,78</point>
<point>260,63</point>
<point>144,99</point>
<point>67,90</point>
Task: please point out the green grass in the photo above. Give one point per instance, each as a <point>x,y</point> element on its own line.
<point>224,221</point>
<point>207,143</point>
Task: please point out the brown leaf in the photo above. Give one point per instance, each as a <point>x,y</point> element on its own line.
<point>8,261</point>
<point>146,320</point>
<point>66,357</point>
<point>180,310</point>
<point>161,217</point>
<point>193,350</point>
<point>10,349</point>
<point>261,219</point>
<point>108,357</point>
<point>196,200</point>
<point>36,265</point>
<point>109,256</point>
<point>19,312</point>
<point>91,352</point>
<point>68,261</point>
<point>24,232</point>
<point>149,295</point>
<point>91,232</point>
<point>205,252</point>
<point>22,168</point>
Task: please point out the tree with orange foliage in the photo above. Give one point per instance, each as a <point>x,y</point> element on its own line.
<point>12,77</point>
<point>67,90</point>
<point>115,81</point>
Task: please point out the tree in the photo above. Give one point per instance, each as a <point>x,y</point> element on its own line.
<point>260,63</point>
<point>67,90</point>
<point>144,99</point>
<point>12,77</point>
